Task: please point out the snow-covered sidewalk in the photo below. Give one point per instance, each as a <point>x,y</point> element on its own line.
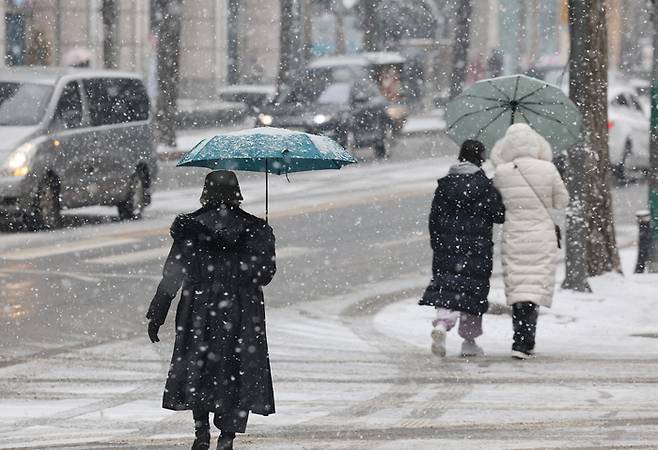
<point>616,321</point>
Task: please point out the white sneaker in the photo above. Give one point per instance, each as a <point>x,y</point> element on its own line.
<point>439,341</point>
<point>470,348</point>
<point>518,354</point>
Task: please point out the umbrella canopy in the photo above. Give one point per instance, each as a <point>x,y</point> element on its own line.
<point>489,107</point>
<point>269,150</point>
<point>266,149</point>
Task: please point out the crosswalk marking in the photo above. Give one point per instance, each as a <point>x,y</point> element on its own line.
<point>66,247</point>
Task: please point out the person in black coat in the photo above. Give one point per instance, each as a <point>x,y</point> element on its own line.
<point>464,209</point>
<point>221,257</point>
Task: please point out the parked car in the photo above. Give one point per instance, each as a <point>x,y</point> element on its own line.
<point>341,102</point>
<point>72,138</point>
<point>628,124</point>
<point>628,121</point>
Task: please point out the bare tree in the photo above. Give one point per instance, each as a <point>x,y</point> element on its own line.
<point>591,243</point>
<point>653,155</point>
<point>110,14</point>
<point>339,13</point>
<point>168,55</point>
<point>460,47</point>
<point>289,39</point>
<point>372,27</point>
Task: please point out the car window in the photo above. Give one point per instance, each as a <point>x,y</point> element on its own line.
<point>371,90</point>
<point>620,100</point>
<point>636,103</point>
<point>68,113</point>
<point>337,93</point>
<point>116,100</point>
<point>23,104</point>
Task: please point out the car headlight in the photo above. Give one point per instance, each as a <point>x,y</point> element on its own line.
<point>265,119</point>
<point>17,163</point>
<point>320,119</point>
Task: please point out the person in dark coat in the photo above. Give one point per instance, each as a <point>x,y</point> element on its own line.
<point>464,209</point>
<point>221,257</point>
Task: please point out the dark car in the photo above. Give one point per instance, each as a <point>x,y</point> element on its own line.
<point>342,103</point>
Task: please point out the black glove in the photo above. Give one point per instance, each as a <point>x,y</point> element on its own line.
<point>153,331</point>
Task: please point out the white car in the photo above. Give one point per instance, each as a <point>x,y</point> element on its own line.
<point>628,125</point>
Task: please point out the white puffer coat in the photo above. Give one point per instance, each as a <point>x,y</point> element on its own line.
<point>529,250</point>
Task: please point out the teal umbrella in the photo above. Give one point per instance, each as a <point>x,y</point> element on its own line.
<point>269,150</point>
<point>485,111</point>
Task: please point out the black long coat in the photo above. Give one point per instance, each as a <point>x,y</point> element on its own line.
<point>221,257</point>
<point>464,209</point>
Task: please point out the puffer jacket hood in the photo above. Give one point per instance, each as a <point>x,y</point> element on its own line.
<point>521,141</point>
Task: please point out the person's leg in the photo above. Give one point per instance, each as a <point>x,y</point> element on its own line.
<point>524,322</point>
<point>201,430</point>
<point>470,327</point>
<point>445,320</point>
<point>230,423</point>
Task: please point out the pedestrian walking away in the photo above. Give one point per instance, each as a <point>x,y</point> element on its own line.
<point>464,209</point>
<point>221,257</point>
<point>535,198</point>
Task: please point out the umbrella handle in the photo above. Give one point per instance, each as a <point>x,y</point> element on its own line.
<point>267,207</point>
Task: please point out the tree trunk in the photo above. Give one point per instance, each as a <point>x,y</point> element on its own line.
<point>288,41</point>
<point>110,14</point>
<point>653,154</point>
<point>168,55</point>
<point>372,27</point>
<point>591,242</point>
<point>579,157</point>
<point>307,29</point>
<point>460,47</point>
<point>339,14</point>
<point>602,252</point>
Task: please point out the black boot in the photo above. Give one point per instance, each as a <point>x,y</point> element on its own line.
<point>202,442</point>
<point>524,320</point>
<point>225,441</point>
<point>201,431</point>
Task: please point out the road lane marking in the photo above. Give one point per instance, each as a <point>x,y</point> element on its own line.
<point>131,258</point>
<point>66,247</point>
<point>161,252</point>
<point>130,237</point>
<point>398,242</point>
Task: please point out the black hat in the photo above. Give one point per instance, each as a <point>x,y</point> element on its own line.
<point>221,186</point>
<point>472,151</point>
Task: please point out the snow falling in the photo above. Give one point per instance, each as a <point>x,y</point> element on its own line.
<point>328,224</point>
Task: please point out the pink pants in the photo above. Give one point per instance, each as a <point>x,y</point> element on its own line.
<point>470,326</point>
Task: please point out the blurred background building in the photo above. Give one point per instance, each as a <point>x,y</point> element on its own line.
<point>237,41</point>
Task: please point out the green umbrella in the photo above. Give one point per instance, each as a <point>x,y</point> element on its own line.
<point>269,150</point>
<point>485,111</point>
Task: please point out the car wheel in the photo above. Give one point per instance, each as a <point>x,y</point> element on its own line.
<point>45,213</point>
<point>133,207</point>
<point>383,147</point>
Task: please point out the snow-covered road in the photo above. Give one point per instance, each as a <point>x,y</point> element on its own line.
<point>352,369</point>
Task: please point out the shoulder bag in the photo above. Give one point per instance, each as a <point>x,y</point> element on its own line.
<point>558,231</point>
